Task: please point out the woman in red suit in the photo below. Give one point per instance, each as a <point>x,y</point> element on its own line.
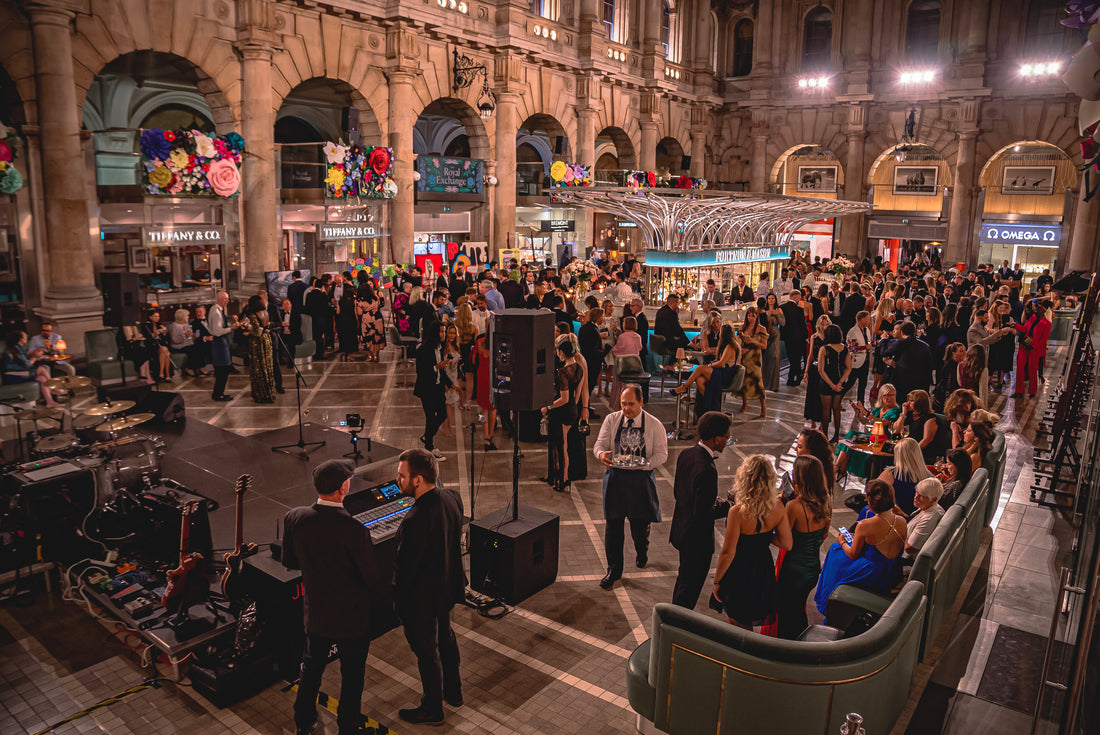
<point>1033,351</point>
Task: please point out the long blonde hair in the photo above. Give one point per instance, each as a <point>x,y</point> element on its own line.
<point>909,462</point>
<point>822,322</point>
<point>884,307</point>
<point>754,487</point>
<point>464,320</point>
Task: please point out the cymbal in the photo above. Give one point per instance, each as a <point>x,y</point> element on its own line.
<point>106,409</point>
<point>34,414</point>
<point>55,443</point>
<point>68,382</point>
<point>125,422</point>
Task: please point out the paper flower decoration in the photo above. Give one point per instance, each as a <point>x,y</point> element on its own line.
<point>190,162</point>
<point>153,144</point>
<point>160,176</point>
<point>5,151</point>
<point>359,171</point>
<point>224,177</point>
<point>335,178</point>
<point>334,153</point>
<point>557,170</point>
<point>11,180</point>
<point>379,161</point>
<point>204,147</point>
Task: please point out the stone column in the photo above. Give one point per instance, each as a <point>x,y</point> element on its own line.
<point>586,137</point>
<point>978,26</point>
<point>957,248</point>
<point>1082,248</point>
<point>852,240</point>
<point>504,208</point>
<point>402,119</point>
<point>858,32</point>
<point>762,39</point>
<point>258,188</point>
<point>647,156</point>
<point>71,297</point>
<point>758,165</point>
<point>698,153</point>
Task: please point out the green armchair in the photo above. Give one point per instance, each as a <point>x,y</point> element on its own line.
<point>101,349</point>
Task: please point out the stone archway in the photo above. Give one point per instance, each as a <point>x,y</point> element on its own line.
<point>808,170</point>
<point>669,157</point>
<point>613,140</point>
<point>321,102</point>
<point>450,126</point>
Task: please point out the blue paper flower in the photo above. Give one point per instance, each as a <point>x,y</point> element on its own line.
<point>235,141</point>
<point>153,144</point>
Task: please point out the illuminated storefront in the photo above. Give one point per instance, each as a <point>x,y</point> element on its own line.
<point>1033,246</point>
<point>690,269</point>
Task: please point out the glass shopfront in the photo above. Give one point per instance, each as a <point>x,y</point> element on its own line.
<point>550,232</point>
<point>690,269</point>
<point>1034,246</point>
<point>330,238</point>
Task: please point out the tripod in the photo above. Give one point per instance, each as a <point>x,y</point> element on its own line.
<point>302,448</point>
<point>355,453</point>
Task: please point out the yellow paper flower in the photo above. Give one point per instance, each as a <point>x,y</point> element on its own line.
<point>557,170</point>
<point>179,158</point>
<point>335,177</point>
<point>160,176</point>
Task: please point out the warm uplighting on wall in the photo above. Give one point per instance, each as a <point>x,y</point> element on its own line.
<point>813,83</point>
<point>616,54</point>
<point>1041,69</point>
<point>672,73</point>
<point>458,5</point>
<point>545,32</point>
<point>918,76</point>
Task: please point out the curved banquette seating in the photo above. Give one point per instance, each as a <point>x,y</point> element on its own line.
<point>699,674</point>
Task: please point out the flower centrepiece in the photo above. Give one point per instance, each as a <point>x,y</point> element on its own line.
<point>359,171</point>
<point>190,162</point>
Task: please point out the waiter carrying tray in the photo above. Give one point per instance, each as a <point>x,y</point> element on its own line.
<point>631,444</point>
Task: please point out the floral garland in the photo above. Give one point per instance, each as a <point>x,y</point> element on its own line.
<point>359,171</point>
<point>11,180</point>
<point>649,179</point>
<point>191,162</point>
<point>839,265</point>
<point>570,174</point>
<point>582,270</point>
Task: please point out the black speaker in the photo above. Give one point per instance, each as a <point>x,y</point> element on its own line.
<point>685,163</point>
<point>165,405</point>
<point>121,298</point>
<point>349,123</point>
<point>134,389</point>
<point>559,145</point>
<point>521,345</point>
<point>512,560</point>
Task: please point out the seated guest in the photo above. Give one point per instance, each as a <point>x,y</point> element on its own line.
<point>18,367</point>
<point>667,324</point>
<point>887,410</point>
<point>710,380</point>
<point>978,436</point>
<point>909,469</point>
<point>181,340</point>
<point>808,514</point>
<point>707,341</point>
<point>744,581</point>
<point>49,341</point>
<point>918,422</point>
<point>929,512</point>
<point>958,408</point>
<point>628,343</point>
<point>954,476</point>
<point>813,443</point>
<point>873,559</point>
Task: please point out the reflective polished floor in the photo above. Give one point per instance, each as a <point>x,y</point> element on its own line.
<point>556,662</point>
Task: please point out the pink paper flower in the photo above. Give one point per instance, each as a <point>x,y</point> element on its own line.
<point>224,178</point>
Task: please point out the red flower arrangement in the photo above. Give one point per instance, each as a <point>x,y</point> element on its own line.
<point>651,178</point>
<point>380,161</point>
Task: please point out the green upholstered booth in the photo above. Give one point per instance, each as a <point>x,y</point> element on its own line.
<point>701,675</point>
<point>994,463</point>
<point>101,349</point>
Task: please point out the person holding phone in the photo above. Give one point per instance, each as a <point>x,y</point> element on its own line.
<point>431,384</point>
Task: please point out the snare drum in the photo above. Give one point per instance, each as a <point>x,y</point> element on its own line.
<point>58,444</point>
<point>84,427</point>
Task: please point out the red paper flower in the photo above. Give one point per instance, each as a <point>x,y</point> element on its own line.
<point>169,136</point>
<point>651,178</point>
<point>379,160</point>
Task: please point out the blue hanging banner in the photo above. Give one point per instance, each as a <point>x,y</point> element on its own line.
<point>711,258</point>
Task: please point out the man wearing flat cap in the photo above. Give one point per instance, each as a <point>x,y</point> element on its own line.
<point>339,580</point>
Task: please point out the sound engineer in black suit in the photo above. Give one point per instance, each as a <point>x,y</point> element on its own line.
<point>696,491</point>
<point>339,580</point>
<point>428,580</point>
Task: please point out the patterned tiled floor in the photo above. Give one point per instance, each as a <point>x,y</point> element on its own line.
<point>556,663</point>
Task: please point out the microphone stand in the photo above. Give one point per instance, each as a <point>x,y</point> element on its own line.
<point>301,448</point>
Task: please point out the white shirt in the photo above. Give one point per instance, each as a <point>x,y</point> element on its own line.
<point>656,440</point>
<point>857,335</point>
<point>713,454</point>
<point>329,503</point>
<point>481,320</point>
<point>762,289</point>
<point>783,287</point>
<point>214,321</point>
<point>623,292</point>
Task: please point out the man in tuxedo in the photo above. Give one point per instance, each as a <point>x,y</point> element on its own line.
<point>287,324</point>
<point>742,293</point>
<point>591,344</point>
<point>794,334</point>
<point>428,580</point>
<point>340,288</point>
<point>854,303</point>
<point>696,492</point>
<point>318,305</point>
<point>220,327</point>
<point>637,310</point>
<point>339,582</point>
<point>667,324</point>
<point>460,281</point>
<point>910,358</point>
<point>296,291</point>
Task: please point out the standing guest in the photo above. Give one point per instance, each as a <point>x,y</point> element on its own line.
<point>774,321</point>
<point>18,367</point>
<point>882,328</point>
<point>492,295</point>
<point>339,583</point>
<point>431,384</point>
<point>347,325</point>
<point>744,580</point>
<point>481,314</point>
<point>794,333</point>
<point>453,354</point>
<point>418,312</point>
<point>318,306</point>
<point>592,345</point>
<point>1033,350</point>
<point>910,358</point>
<point>220,327</point>
<point>483,392</point>
<point>280,316</point>
<point>808,514</point>
<point>834,365</point>
<point>629,491</point>
<point>637,310</point>
<point>667,324</point>
<point>947,381</point>
<point>428,581</point>
<point>854,303</point>
<point>513,292</point>
<point>372,325</point>
<point>576,443</point>
<point>467,336</point>
<point>974,373</point>
<point>203,339</point>
<point>784,285</point>
<point>261,364</point>
<point>562,415</point>
<point>296,291</point>
<point>742,293</point>
<point>1000,352</point>
<point>754,338</point>
<point>763,286</point>
<point>812,408</point>
<point>860,344</point>
<point>696,490</point>
<point>460,281</point>
<point>628,343</point>
<point>181,340</point>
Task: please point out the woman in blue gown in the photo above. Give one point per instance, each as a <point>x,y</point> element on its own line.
<point>710,380</point>
<point>873,559</point>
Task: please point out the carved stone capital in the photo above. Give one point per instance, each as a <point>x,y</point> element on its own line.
<point>402,46</point>
<point>650,103</point>
<point>507,70</point>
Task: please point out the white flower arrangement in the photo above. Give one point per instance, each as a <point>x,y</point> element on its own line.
<point>582,270</point>
<point>839,265</point>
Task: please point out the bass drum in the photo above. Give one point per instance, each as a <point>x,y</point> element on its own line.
<point>134,465</point>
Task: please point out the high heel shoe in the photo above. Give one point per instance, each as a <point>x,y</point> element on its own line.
<point>563,487</point>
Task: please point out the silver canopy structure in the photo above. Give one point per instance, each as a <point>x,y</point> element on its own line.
<point>683,219</point>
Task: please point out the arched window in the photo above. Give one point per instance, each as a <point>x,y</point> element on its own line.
<point>742,48</point>
<point>1044,34</point>
<point>922,30</point>
<point>817,39</point>
<point>666,24</point>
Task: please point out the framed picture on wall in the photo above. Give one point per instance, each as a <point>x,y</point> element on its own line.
<point>140,258</point>
<point>919,180</point>
<point>1033,180</point>
<point>816,179</point>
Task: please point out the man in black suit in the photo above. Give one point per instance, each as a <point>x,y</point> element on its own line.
<point>854,303</point>
<point>339,581</point>
<point>591,344</point>
<point>910,358</point>
<point>460,281</point>
<point>667,324</point>
<point>296,291</point>
<point>428,580</point>
<point>742,293</point>
<point>636,308</point>
<point>318,305</point>
<point>696,492</point>
<point>794,334</point>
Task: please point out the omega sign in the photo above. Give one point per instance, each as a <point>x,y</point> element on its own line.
<point>345,232</point>
<point>185,235</point>
<point>1042,235</point>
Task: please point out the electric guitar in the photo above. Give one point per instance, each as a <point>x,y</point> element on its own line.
<point>186,583</point>
<point>231,578</point>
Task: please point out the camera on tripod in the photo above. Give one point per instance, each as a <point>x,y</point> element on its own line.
<point>354,422</point>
